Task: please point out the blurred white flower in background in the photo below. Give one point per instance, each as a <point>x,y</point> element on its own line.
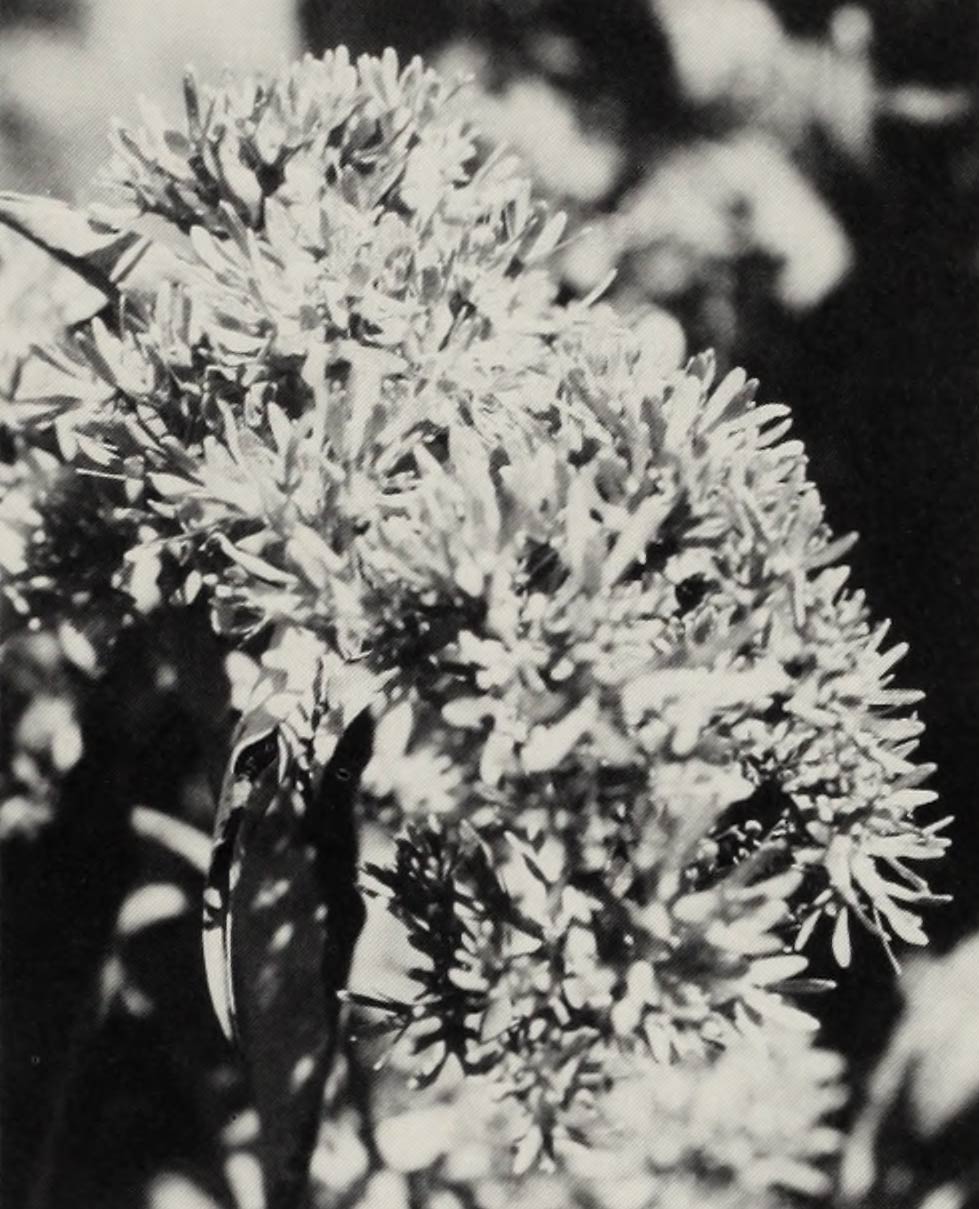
<point>914,1144</point>
<point>169,1190</point>
<point>722,51</point>
<point>720,199</point>
<point>119,50</point>
<point>534,118</point>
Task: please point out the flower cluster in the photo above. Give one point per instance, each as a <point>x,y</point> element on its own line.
<point>591,590</point>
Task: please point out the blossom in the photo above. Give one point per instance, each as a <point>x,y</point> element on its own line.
<point>634,736</point>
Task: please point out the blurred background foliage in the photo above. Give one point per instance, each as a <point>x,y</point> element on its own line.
<point>794,182</point>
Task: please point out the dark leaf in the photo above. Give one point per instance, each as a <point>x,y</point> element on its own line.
<point>284,904</point>
<point>107,261</point>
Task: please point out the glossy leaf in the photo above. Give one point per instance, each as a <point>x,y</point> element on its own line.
<point>283,916</point>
